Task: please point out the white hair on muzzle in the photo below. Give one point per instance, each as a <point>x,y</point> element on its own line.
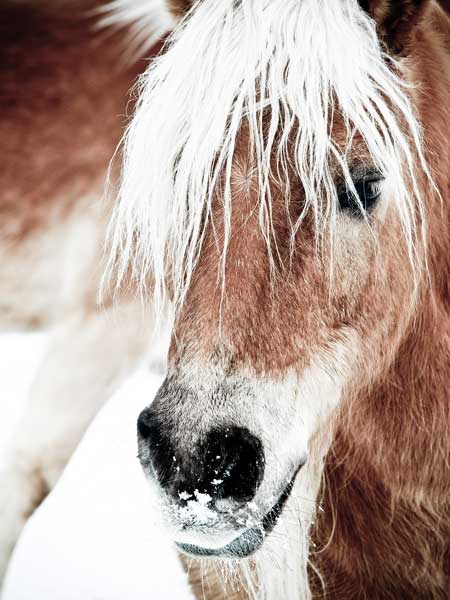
<point>299,60</point>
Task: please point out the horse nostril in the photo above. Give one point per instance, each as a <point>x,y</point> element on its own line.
<point>234,464</point>
<point>155,448</point>
<point>227,463</point>
<point>143,427</point>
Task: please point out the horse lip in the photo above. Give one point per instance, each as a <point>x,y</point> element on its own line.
<point>241,547</point>
<point>248,542</point>
<point>271,518</point>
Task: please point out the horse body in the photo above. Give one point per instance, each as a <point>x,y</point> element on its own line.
<point>60,124</point>
<point>64,91</point>
<point>306,389</point>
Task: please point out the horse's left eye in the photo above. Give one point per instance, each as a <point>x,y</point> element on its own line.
<point>368,192</point>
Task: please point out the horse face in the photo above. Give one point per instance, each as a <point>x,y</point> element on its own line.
<point>258,365</point>
<point>271,338</point>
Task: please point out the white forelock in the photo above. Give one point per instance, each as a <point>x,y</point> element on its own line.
<point>302,61</point>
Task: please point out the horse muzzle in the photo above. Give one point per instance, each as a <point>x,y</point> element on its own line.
<point>217,495</point>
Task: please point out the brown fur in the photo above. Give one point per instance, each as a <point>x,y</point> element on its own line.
<point>64,91</point>
<point>64,95</point>
<point>179,7</point>
<point>387,476</point>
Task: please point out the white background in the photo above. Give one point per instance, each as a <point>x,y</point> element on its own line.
<point>97,536</point>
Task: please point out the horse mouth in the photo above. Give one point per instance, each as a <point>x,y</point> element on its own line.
<point>248,542</point>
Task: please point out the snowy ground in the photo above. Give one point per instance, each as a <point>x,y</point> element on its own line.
<point>97,536</point>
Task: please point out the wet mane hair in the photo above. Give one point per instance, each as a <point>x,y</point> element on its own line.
<point>224,65</point>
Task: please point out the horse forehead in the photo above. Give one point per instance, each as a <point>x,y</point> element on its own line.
<point>246,175</point>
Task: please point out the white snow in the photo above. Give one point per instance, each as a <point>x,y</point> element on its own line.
<point>203,499</point>
<point>197,510</point>
<point>184,495</point>
<point>97,536</point>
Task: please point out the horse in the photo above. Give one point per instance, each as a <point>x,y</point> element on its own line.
<point>285,183</point>
<point>284,190</point>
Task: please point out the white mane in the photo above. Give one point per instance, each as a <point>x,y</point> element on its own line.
<point>147,20</point>
<point>301,59</point>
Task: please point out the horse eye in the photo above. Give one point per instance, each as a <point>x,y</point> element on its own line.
<point>368,192</point>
